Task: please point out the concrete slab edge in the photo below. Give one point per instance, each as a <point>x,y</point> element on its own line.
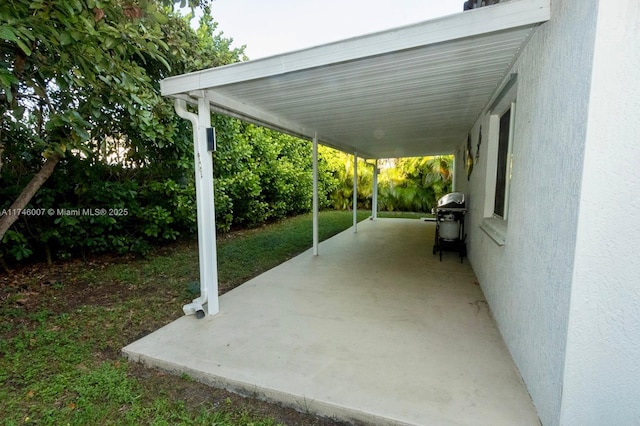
<point>301,404</point>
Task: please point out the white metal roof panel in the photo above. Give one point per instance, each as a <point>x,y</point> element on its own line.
<point>410,91</point>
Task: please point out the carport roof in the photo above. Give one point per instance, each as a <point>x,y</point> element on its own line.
<point>409,91</point>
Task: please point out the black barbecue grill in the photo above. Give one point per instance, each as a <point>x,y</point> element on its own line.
<point>450,235</point>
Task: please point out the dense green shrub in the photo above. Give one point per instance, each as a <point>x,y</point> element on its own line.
<point>87,208</point>
<point>260,175</point>
<point>90,206</point>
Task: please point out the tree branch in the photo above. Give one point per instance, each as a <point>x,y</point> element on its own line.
<point>28,192</point>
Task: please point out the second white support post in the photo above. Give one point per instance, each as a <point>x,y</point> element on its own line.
<point>454,180</point>
<point>374,196</point>
<point>355,192</point>
<point>315,195</point>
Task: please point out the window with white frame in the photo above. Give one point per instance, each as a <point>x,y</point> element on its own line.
<point>502,114</point>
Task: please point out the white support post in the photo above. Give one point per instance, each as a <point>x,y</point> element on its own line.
<point>206,210</point>
<point>374,196</point>
<point>454,179</point>
<point>315,195</point>
<point>355,192</point>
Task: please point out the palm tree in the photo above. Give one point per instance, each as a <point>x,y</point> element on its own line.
<point>415,184</point>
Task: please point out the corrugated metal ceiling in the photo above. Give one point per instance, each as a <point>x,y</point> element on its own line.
<point>411,101</point>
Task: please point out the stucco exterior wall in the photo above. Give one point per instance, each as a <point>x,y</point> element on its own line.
<point>528,280</point>
<point>602,371</point>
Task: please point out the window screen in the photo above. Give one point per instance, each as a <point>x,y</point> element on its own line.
<point>502,170</point>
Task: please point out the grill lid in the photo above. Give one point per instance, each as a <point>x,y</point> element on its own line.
<point>452,200</point>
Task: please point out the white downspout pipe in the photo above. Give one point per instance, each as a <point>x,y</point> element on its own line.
<point>195,307</point>
<point>355,192</point>
<point>316,238</point>
<point>208,221</point>
<point>205,210</point>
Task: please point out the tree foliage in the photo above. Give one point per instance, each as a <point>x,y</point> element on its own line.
<point>415,184</point>
<point>79,93</point>
<point>405,184</point>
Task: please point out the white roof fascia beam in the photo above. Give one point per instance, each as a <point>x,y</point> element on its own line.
<point>502,16</point>
<point>230,107</point>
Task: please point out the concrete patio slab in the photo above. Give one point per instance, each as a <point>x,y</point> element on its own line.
<point>376,330</point>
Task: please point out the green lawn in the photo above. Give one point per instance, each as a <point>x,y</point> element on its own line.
<point>63,327</point>
<point>404,215</point>
<point>248,253</point>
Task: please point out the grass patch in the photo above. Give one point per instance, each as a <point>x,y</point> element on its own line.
<point>404,215</point>
<point>63,328</point>
<point>245,254</point>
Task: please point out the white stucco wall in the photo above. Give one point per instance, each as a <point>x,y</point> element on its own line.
<point>602,371</point>
<point>528,280</point>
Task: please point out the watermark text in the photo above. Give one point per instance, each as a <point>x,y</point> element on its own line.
<point>66,212</point>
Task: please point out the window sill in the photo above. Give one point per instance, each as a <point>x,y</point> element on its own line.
<point>496,229</point>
